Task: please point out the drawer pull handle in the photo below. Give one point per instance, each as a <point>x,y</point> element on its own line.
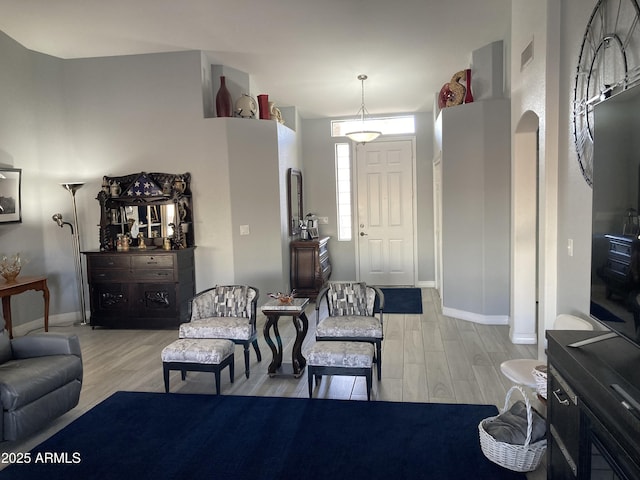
<point>562,402</point>
<point>152,263</point>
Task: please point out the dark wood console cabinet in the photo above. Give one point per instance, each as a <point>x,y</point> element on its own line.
<point>310,266</point>
<point>140,289</point>
<point>593,432</point>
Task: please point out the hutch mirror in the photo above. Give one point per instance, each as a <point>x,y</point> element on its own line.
<point>154,208</point>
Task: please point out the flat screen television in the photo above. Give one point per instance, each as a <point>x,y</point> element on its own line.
<point>615,265</point>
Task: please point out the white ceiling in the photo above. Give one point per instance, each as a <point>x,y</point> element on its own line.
<point>306,53</point>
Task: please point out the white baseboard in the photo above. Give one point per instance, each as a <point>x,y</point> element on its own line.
<point>476,317</point>
<point>523,338</point>
<point>58,320</point>
<point>426,284</point>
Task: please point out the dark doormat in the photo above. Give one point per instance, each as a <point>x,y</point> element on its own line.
<point>401,300</point>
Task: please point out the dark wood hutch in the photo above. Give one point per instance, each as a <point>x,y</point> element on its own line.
<point>310,266</point>
<point>144,273</point>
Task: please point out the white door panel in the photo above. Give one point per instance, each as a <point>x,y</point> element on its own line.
<point>385,213</point>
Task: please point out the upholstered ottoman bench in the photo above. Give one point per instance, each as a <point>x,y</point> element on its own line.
<point>340,358</point>
<point>198,355</point>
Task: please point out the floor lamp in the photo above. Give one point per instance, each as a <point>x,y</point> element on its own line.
<point>72,187</point>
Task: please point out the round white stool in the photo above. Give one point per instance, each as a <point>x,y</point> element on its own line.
<point>520,370</point>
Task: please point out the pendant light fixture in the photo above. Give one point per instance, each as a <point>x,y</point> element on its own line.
<point>363,135</point>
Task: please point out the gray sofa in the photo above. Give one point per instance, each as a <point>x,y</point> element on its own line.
<point>40,379</point>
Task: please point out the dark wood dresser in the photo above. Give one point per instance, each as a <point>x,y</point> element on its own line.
<point>620,272</point>
<point>140,288</point>
<point>310,266</point>
<point>593,429</point>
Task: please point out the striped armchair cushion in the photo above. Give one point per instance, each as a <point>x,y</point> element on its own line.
<point>347,298</point>
<point>223,301</point>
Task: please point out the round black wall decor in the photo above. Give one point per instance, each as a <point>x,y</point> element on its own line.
<point>609,62</point>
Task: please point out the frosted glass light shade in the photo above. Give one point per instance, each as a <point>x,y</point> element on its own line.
<point>363,136</point>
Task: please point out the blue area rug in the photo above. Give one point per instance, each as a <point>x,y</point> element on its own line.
<point>174,436</point>
<point>401,300</point>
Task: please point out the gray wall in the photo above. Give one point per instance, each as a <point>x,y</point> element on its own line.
<point>574,195</point>
<point>33,137</point>
<point>260,153</point>
<point>476,208</point>
<point>77,120</point>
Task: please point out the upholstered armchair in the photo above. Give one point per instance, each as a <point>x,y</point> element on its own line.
<point>351,315</point>
<point>225,311</point>
<point>40,379</point>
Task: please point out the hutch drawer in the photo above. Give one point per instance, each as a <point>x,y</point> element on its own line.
<point>105,275</point>
<point>153,275</point>
<point>152,261</point>
<point>110,261</point>
<point>564,421</point>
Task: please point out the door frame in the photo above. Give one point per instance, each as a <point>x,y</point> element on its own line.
<point>526,276</point>
<point>437,223</point>
<point>354,200</point>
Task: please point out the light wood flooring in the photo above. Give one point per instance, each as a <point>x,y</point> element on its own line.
<point>426,358</point>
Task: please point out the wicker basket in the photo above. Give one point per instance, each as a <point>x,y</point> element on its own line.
<point>519,458</point>
<point>540,374</point>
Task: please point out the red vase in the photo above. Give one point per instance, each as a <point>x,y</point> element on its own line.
<point>468,98</point>
<point>263,104</point>
<point>223,100</point>
<point>443,96</point>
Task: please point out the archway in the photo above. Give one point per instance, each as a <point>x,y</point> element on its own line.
<point>524,231</point>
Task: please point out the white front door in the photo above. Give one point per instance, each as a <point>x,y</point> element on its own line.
<point>385,212</point>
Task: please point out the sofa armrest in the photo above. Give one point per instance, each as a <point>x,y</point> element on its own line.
<point>46,344</point>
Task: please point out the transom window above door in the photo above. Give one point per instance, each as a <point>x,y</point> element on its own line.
<point>388,126</point>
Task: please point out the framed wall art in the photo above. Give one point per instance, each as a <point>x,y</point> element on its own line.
<point>10,199</point>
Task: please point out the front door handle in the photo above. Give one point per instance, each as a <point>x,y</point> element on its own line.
<point>362,234</point>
